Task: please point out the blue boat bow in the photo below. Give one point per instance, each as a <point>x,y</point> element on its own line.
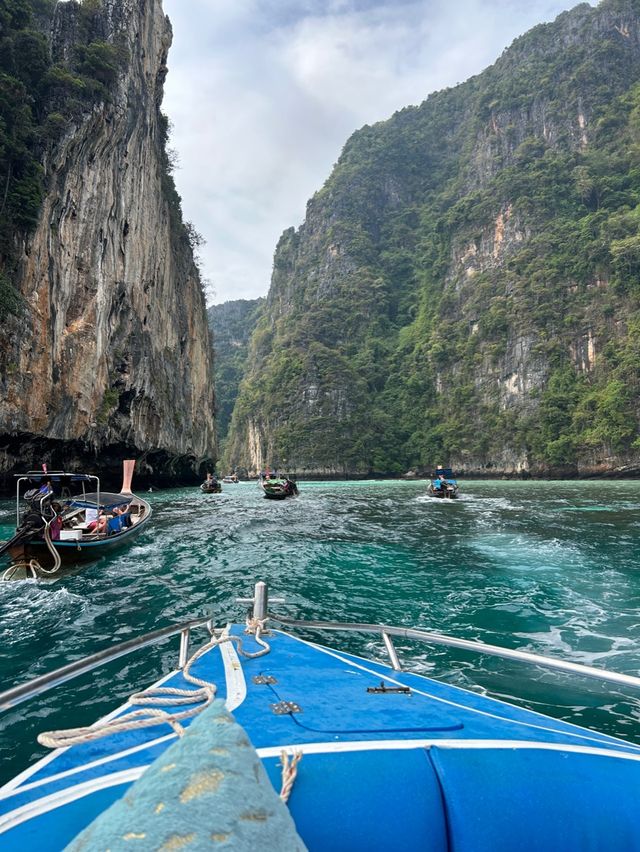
<point>385,758</point>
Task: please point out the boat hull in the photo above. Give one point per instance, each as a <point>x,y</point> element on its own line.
<point>276,495</point>
<point>275,490</point>
<point>443,494</point>
<point>74,552</point>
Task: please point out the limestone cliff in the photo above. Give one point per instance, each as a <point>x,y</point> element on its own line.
<point>464,288</point>
<point>232,324</point>
<point>111,355</point>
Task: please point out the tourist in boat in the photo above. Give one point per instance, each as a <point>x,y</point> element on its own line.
<point>98,526</point>
<point>443,483</point>
<point>123,512</point>
<point>290,486</point>
<point>211,485</point>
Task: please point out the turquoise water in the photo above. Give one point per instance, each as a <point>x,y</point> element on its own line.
<point>549,567</point>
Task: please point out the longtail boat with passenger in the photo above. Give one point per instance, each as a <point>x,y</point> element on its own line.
<point>211,485</point>
<point>277,487</point>
<point>66,518</point>
<point>443,484</point>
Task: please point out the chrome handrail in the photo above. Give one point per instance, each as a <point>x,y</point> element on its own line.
<point>387,631</point>
<point>12,697</point>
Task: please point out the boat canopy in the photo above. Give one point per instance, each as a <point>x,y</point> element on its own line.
<point>55,476</point>
<point>103,500</point>
<point>444,471</point>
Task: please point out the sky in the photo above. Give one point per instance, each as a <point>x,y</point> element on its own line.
<point>263,94</point>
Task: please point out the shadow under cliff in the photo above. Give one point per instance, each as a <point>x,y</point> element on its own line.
<point>154,468</point>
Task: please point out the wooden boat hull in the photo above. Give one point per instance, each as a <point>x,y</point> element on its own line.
<point>73,552</point>
<point>443,495</point>
<point>213,489</point>
<point>276,495</point>
<point>275,490</point>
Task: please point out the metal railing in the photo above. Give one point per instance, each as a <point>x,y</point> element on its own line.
<point>386,632</point>
<point>18,694</point>
<point>32,474</point>
<point>260,602</point>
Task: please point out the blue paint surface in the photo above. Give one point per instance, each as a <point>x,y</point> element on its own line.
<point>434,797</point>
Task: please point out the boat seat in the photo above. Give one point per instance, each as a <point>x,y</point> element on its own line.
<point>476,799</point>
<point>117,524</point>
<point>538,799</point>
<point>69,516</point>
<point>366,800</point>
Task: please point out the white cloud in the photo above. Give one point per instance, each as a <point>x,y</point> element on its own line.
<point>263,95</point>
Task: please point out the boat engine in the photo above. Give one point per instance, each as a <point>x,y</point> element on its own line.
<point>34,520</point>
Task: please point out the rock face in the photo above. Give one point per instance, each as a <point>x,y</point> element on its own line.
<point>232,325</point>
<point>464,288</point>
<point>112,356</point>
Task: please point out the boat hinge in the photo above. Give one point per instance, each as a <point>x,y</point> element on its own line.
<point>405,690</point>
<point>282,708</point>
<point>260,679</point>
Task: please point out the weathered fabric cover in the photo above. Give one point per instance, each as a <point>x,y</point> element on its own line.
<point>207,791</point>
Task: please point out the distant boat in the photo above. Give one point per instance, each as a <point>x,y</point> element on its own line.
<point>211,486</point>
<point>230,478</point>
<point>64,522</point>
<point>443,484</point>
<point>277,487</point>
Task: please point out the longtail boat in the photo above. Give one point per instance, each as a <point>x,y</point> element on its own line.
<point>443,484</point>
<point>278,487</point>
<point>66,518</point>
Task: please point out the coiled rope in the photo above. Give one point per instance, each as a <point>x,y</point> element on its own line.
<point>167,696</point>
<point>32,567</point>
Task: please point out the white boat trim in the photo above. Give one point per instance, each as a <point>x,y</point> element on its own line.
<point>233,674</point>
<point>69,794</point>
<point>7,789</point>
<point>333,747</point>
<point>76,769</point>
<point>236,694</point>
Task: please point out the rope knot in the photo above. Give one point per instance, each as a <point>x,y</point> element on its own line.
<point>256,625</point>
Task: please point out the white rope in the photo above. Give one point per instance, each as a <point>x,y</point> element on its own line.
<point>255,626</point>
<point>57,561</point>
<point>32,567</point>
<point>289,764</point>
<point>167,696</point>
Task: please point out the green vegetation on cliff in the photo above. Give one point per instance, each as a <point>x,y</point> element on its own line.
<point>466,286</point>
<point>40,96</point>
<point>231,324</point>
